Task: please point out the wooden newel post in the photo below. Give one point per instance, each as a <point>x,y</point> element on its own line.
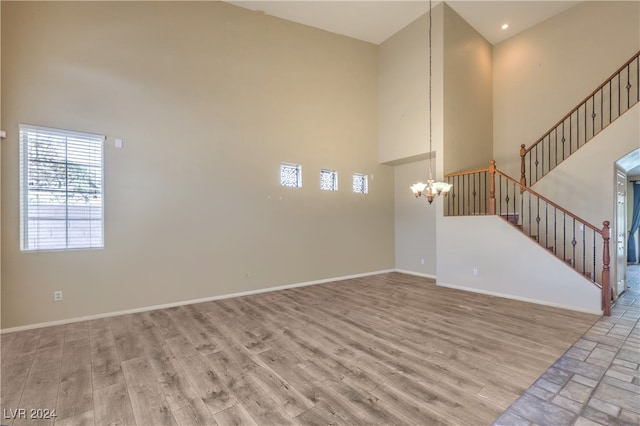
<point>523,169</point>
<point>606,270</point>
<point>492,187</point>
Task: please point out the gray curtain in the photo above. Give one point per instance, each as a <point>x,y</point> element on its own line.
<point>635,223</point>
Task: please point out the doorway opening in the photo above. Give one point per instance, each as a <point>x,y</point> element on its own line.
<point>627,255</point>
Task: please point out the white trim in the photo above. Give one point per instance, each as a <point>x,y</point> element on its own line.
<point>522,299</point>
<point>283,287</point>
<point>365,186</point>
<point>334,174</point>
<point>27,133</point>
<point>189,302</point>
<point>417,274</point>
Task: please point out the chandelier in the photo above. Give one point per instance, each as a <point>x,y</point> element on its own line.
<point>431,189</point>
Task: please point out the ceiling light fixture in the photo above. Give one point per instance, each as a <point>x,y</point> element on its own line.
<point>504,26</point>
<point>431,189</point>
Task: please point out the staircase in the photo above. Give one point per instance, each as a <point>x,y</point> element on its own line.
<point>599,109</point>
<point>578,243</point>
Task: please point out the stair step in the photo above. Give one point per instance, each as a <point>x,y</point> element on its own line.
<point>513,218</point>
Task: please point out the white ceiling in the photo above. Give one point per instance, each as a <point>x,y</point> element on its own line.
<point>377,20</point>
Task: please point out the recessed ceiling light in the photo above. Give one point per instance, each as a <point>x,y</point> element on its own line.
<point>505,26</point>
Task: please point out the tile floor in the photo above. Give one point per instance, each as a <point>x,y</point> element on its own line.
<point>597,381</point>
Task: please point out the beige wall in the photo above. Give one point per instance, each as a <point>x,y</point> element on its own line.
<point>462,109</point>
<point>415,230</point>
<point>585,183</point>
<point>468,115</point>
<point>403,92</point>
<point>208,99</point>
<point>403,134</point>
<point>509,264</point>
<point>520,88</point>
<point>540,74</point>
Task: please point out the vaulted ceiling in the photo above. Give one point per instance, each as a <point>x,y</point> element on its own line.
<point>375,21</point>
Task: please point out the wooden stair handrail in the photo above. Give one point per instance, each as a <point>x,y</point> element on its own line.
<point>524,150</point>
<point>468,172</point>
<point>605,232</point>
<point>523,188</point>
<point>492,189</point>
<point>545,199</point>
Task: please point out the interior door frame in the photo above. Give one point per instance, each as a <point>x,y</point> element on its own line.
<point>620,233</point>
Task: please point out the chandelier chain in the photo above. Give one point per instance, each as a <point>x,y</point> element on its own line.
<point>431,189</point>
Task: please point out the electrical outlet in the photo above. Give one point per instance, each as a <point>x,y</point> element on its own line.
<point>475,272</point>
<point>422,261</point>
<point>57,296</point>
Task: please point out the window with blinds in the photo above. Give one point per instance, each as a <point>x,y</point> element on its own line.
<point>61,189</point>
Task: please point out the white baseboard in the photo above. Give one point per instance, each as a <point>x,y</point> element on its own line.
<point>521,299</point>
<point>189,302</point>
<point>417,274</point>
<point>284,287</point>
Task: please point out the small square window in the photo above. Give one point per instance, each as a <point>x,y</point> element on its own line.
<point>360,183</point>
<point>328,180</point>
<point>291,175</point>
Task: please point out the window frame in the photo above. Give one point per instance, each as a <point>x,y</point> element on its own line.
<point>85,141</point>
<point>334,174</point>
<point>365,179</point>
<point>298,168</point>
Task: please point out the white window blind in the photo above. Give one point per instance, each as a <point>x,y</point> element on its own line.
<point>61,189</point>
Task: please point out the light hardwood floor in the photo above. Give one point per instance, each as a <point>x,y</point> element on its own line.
<point>385,349</point>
